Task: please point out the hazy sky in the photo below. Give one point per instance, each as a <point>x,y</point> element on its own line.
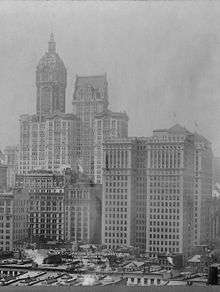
<point>160,58</point>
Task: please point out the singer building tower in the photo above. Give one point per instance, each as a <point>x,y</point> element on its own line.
<point>49,138</point>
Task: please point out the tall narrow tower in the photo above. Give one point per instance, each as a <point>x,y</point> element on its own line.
<point>90,97</point>
<point>50,81</point>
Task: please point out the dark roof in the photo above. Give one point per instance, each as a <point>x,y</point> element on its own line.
<point>178,129</point>
<point>97,81</point>
<point>199,137</point>
<point>110,113</point>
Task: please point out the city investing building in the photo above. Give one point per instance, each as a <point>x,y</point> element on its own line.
<point>90,97</point>
<point>107,125</point>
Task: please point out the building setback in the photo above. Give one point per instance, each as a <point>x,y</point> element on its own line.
<point>107,125</point>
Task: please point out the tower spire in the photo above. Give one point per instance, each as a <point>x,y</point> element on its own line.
<point>51,44</point>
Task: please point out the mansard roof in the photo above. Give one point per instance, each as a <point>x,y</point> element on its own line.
<point>97,81</point>
<point>109,113</point>
<point>178,129</point>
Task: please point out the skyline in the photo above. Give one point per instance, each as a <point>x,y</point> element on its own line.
<point>143,69</point>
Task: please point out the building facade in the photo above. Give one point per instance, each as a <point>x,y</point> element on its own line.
<point>63,206</point>
<point>50,138</point>
<point>107,125</point>
<point>48,142</point>
<point>46,199</point>
<point>14,208</point>
<point>11,160</point>
<point>90,97</point>
<point>51,81</point>
<point>203,172</point>
<point>3,176</point>
<point>170,192</point>
<point>118,209</point>
<point>152,183</point>
<point>83,211</point>
<point>215,216</point>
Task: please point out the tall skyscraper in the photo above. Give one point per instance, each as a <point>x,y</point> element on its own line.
<point>49,138</point>
<point>48,142</point>
<point>51,81</point>
<point>90,97</point>
<point>162,184</point>
<point>170,191</point>
<point>118,207</point>
<point>107,125</point>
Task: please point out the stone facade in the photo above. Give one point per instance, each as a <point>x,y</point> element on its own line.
<point>48,142</point>
<point>148,192</point>
<point>83,211</point>
<point>107,125</point>
<point>51,82</point>
<point>14,208</point>
<point>90,97</point>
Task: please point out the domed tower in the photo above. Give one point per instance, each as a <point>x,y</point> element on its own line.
<point>50,81</point>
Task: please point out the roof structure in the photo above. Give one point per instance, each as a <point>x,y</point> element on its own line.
<point>178,129</point>
<point>108,112</point>
<point>97,81</point>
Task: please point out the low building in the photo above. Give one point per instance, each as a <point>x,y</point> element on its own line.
<point>46,195</point>
<point>158,278</point>
<point>63,206</point>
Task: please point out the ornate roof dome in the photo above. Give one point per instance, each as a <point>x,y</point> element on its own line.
<point>51,67</point>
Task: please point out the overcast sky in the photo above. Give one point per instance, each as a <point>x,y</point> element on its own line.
<point>162,60</point>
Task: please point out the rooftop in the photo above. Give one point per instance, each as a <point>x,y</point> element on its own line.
<point>96,81</point>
